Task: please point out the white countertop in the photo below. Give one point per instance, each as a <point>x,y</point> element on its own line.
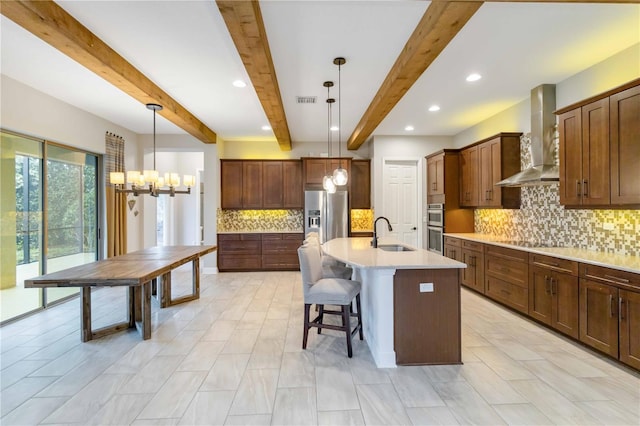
<point>358,252</point>
<point>592,257</point>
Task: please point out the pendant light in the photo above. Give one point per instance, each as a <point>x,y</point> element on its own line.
<point>340,176</point>
<point>327,181</point>
<point>156,183</point>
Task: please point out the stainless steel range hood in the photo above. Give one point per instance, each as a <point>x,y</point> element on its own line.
<point>543,123</point>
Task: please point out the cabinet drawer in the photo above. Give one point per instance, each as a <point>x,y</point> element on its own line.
<point>452,252</point>
<point>452,241</point>
<point>297,237</point>
<point>239,237</point>
<point>472,245</point>
<point>239,262</point>
<point>510,294</point>
<point>280,246</point>
<point>507,268</point>
<point>553,263</point>
<point>280,262</point>
<point>239,247</point>
<point>610,276</point>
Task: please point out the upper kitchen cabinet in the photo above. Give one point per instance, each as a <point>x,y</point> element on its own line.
<point>435,177</point>
<point>256,184</point>
<point>360,182</point>
<point>486,163</point>
<point>469,183</point>
<point>272,195</point>
<point>599,150</point>
<point>292,193</point>
<point>315,168</point>
<point>624,109</point>
<point>231,184</point>
<point>584,155</point>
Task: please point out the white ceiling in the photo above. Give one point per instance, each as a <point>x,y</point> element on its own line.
<point>185,48</point>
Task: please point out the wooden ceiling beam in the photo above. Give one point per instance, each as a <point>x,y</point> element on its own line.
<point>51,23</point>
<point>244,22</point>
<point>439,25</point>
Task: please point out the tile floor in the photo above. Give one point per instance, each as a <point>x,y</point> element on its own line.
<point>233,357</point>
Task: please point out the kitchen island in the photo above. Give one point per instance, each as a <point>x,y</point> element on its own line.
<point>410,301</point>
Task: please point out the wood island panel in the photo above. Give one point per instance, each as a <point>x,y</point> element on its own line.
<point>427,324</point>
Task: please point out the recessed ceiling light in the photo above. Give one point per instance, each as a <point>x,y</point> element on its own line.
<point>334,128</point>
<point>409,128</point>
<point>239,83</point>
<point>434,108</point>
<point>266,128</point>
<point>474,77</point>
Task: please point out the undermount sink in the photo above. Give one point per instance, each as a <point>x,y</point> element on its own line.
<point>394,247</point>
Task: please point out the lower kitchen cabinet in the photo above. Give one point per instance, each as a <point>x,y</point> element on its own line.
<point>610,312</point>
<point>473,275</point>
<point>453,248</point>
<point>598,319</point>
<point>553,293</point>
<point>280,251</point>
<point>258,252</point>
<point>629,313</point>
<point>506,277</point>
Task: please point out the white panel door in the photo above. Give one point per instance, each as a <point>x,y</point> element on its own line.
<point>400,201</point>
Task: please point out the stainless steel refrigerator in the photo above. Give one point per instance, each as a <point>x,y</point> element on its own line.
<point>326,214</point>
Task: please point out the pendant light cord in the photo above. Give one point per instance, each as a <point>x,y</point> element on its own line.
<point>339,116</point>
<point>154,140</point>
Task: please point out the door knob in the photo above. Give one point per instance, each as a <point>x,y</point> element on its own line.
<point>414,228</point>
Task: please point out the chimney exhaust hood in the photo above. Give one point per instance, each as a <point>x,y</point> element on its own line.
<point>543,123</point>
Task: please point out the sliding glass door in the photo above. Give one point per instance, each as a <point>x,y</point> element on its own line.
<point>48,218</point>
<point>72,218</point>
<point>20,224</point>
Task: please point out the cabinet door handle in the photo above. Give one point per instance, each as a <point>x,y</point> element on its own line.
<point>585,187</point>
<point>611,306</point>
<point>620,308</point>
<point>554,285</point>
<point>473,261</point>
<point>490,194</point>
<point>546,285</point>
<point>578,191</point>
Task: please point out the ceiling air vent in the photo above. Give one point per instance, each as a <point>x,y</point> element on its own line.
<point>306,99</point>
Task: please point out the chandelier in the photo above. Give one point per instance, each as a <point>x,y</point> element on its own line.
<point>340,176</point>
<point>149,181</point>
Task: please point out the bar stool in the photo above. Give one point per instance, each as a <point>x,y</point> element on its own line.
<point>327,291</point>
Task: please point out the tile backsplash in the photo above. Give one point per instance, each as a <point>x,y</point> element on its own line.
<point>541,218</point>
<point>260,221</point>
<point>361,220</point>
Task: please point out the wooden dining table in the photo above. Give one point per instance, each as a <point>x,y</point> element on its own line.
<point>139,271</point>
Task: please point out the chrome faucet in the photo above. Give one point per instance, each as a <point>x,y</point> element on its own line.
<point>374,242</point>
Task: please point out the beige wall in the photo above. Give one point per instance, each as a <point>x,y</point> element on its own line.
<point>612,72</point>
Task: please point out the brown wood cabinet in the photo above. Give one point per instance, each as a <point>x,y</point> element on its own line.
<point>610,312</point>
<point>231,184</point>
<point>507,276</point>
<point>252,184</point>
<point>629,314</point>
<point>453,248</point>
<point>469,184</point>
<point>435,176</point>
<point>261,184</point>
<point>599,150</point>
<point>624,109</point>
<point>292,192</point>
<point>473,275</point>
<point>360,183</point>
<point>239,252</point>
<point>553,293</point>
<point>315,168</point>
<point>486,163</point>
<point>258,252</point>
<point>279,251</point>
<point>272,194</point>
<point>584,155</point>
